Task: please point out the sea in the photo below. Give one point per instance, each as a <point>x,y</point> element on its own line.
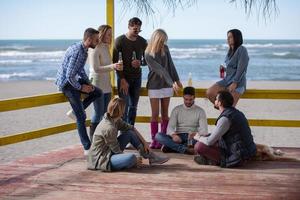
<point>274,60</point>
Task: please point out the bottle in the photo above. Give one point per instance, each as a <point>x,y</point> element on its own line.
<point>133,56</point>
<point>222,70</point>
<point>143,60</point>
<point>190,82</point>
<point>120,61</point>
<point>120,58</point>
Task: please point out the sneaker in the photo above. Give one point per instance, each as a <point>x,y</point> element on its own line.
<point>200,160</point>
<point>86,152</point>
<point>157,159</point>
<point>71,115</point>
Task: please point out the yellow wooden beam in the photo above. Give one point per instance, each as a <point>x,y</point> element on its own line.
<point>252,122</point>
<point>20,137</point>
<point>249,94</point>
<point>48,99</point>
<point>110,20</point>
<point>33,101</point>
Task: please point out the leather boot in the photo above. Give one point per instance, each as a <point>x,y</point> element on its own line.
<point>154,130</point>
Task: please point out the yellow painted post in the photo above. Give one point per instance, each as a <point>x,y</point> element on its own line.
<point>110,20</point>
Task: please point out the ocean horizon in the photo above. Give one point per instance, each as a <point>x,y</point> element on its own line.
<point>273,60</point>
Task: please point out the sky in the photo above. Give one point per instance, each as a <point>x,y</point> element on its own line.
<point>210,19</point>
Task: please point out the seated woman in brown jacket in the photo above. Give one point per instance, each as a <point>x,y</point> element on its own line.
<point>106,152</point>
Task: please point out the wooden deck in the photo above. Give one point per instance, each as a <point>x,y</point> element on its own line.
<point>62,174</point>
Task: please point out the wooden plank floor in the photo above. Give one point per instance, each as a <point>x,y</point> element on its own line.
<point>62,174</point>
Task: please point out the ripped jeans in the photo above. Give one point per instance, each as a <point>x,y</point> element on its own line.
<point>131,99</point>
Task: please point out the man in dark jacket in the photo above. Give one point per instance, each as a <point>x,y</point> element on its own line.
<point>231,142</point>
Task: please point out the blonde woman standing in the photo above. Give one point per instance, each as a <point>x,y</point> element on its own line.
<point>100,62</point>
<point>162,81</point>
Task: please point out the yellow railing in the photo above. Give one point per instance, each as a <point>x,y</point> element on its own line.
<point>55,98</point>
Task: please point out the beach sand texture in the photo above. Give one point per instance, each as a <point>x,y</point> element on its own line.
<point>41,117</point>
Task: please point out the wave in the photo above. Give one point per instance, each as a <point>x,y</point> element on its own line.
<point>15,47</point>
<point>271,45</point>
<point>43,54</point>
<point>286,55</point>
<point>281,53</point>
<point>50,78</point>
<point>16,75</point>
<point>185,53</point>
<point>194,50</point>
<point>5,62</point>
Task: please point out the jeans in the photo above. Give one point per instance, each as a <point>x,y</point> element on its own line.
<point>168,142</point>
<point>78,107</point>
<point>125,160</point>
<point>131,99</point>
<point>100,107</point>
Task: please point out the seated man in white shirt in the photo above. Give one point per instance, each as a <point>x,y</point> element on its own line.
<point>186,124</point>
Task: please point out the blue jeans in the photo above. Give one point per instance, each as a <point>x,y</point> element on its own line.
<point>168,142</point>
<point>125,160</point>
<point>100,107</point>
<point>131,99</point>
<point>78,107</point>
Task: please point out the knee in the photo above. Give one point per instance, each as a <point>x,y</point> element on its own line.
<point>132,160</point>
<point>200,148</point>
<point>128,134</point>
<point>177,140</point>
<point>161,137</point>
<point>210,92</point>
<point>81,117</point>
<point>98,92</point>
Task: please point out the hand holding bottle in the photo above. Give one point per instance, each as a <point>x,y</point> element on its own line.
<point>134,61</point>
<point>176,87</point>
<point>118,66</point>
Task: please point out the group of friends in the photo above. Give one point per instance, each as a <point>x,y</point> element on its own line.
<point>230,144</point>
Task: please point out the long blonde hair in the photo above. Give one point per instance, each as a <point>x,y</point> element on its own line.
<point>157,42</point>
<point>116,107</point>
<point>102,31</point>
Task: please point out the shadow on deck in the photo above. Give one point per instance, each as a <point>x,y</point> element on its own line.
<point>62,174</point>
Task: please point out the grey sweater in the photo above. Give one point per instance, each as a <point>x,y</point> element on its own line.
<point>185,119</point>
<point>162,72</point>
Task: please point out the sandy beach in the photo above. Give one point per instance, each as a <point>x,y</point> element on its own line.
<point>41,117</point>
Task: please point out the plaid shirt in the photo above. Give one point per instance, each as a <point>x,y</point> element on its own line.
<point>72,67</point>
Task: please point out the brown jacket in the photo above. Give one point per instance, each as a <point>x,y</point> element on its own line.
<point>105,143</point>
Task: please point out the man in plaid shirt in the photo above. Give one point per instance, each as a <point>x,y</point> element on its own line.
<point>72,80</point>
